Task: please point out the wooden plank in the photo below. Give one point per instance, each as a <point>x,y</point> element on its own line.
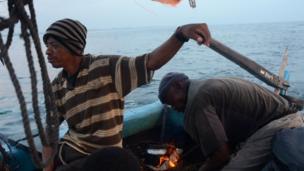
<point>249,65</point>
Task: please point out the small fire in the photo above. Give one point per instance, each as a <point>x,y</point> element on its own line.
<point>170,159</point>
<point>169,2</point>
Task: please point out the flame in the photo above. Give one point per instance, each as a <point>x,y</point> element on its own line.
<point>171,164</point>
<point>170,159</point>
<point>169,2</point>
<point>162,160</point>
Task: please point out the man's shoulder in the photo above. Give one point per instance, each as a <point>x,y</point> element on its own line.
<point>207,84</point>
<point>102,56</point>
<point>114,58</point>
<point>211,88</point>
<point>225,82</point>
<point>94,58</point>
<point>105,59</point>
<point>100,60</point>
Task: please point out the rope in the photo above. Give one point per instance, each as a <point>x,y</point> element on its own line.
<point>49,96</point>
<point>29,30</point>
<point>29,56</point>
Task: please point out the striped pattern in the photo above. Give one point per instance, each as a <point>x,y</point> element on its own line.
<point>70,33</point>
<point>93,109</point>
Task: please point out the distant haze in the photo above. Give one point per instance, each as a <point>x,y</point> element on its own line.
<point>103,14</point>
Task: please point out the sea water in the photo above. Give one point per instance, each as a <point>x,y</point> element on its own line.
<point>264,43</point>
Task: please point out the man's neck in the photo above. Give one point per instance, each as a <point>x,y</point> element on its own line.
<point>73,66</point>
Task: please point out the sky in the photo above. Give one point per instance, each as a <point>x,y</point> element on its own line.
<point>105,14</point>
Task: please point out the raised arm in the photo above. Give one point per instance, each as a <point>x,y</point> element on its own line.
<point>161,55</point>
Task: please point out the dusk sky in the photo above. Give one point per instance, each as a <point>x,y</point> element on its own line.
<point>103,14</point>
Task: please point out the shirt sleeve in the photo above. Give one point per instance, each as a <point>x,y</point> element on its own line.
<point>209,129</point>
<point>129,73</point>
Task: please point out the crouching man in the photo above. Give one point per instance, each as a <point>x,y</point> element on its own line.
<point>233,120</point>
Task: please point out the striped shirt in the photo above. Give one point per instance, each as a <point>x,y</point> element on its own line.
<point>93,107</point>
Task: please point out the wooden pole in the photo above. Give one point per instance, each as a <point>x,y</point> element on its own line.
<point>249,65</point>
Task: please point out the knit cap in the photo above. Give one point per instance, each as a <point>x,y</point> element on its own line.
<point>70,33</point>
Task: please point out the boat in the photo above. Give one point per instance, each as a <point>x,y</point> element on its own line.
<point>148,127</point>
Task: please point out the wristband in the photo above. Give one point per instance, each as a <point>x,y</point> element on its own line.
<point>180,36</point>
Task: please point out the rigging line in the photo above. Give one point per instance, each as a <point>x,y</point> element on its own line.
<point>17,13</point>
<point>25,36</point>
<point>19,94</point>
<point>52,118</point>
<point>24,18</point>
<point>27,129</point>
<point>25,138</point>
<point>143,7</point>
